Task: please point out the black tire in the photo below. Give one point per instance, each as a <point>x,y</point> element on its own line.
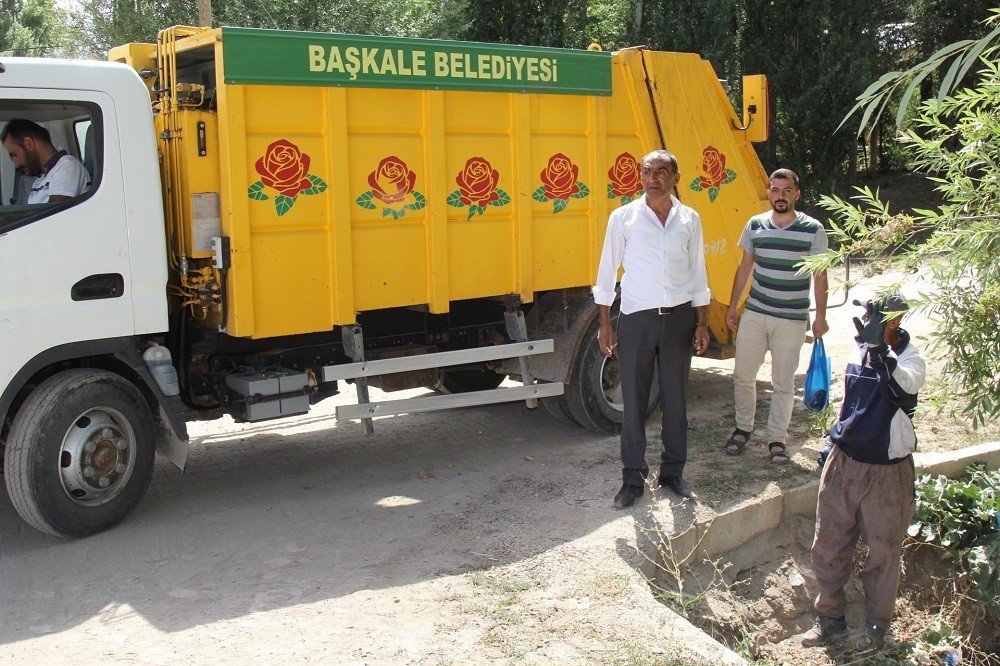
<point>79,420</point>
<point>585,393</point>
<point>464,381</point>
<point>558,409</point>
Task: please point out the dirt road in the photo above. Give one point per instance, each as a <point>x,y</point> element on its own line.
<point>482,534</point>
<point>473,535</point>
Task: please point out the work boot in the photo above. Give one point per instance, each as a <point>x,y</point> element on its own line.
<point>824,630</point>
<point>677,485</point>
<point>872,639</point>
<point>627,495</point>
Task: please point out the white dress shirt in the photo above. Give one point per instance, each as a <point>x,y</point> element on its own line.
<point>664,263</point>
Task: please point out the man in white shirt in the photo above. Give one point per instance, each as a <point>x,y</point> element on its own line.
<point>665,297</point>
<point>59,176</point>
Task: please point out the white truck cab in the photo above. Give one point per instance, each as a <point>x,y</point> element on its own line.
<point>82,285</point>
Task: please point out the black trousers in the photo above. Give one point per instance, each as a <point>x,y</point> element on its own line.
<point>647,338</point>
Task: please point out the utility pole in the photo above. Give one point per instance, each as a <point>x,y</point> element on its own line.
<point>205,13</point>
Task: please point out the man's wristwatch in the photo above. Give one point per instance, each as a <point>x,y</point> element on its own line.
<point>701,323</point>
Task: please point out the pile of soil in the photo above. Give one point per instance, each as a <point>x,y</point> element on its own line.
<point>758,600</point>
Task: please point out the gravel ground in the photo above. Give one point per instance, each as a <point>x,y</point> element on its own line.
<point>477,535</point>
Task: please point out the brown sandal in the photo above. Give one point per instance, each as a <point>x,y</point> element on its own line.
<point>778,453</point>
<point>734,447</point>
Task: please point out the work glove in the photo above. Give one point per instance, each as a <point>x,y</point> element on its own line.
<point>873,330</point>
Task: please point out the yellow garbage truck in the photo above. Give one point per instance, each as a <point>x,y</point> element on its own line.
<point>273,214</point>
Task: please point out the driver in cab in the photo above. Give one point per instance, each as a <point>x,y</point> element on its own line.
<point>59,176</point>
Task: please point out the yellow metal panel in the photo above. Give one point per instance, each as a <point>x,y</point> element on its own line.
<point>289,231</point>
<point>524,237</point>
<point>380,239</point>
<point>756,97</point>
<point>562,131</point>
<point>198,173</point>
<point>234,177</point>
<point>288,290</point>
<point>338,211</point>
<point>479,157</point>
<point>699,129</point>
<point>342,200</point>
<point>600,165</point>
<point>437,191</point>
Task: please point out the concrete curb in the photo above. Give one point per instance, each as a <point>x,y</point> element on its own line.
<point>731,529</point>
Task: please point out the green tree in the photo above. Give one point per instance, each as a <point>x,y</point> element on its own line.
<point>107,23</point>
<point>406,18</point>
<point>112,22</point>
<point>531,22</point>
<point>937,23</point>
<point>956,140</point>
<point>32,28</point>
<point>711,28</point>
<point>817,56</point>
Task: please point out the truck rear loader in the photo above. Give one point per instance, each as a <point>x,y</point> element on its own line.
<point>272,214</point>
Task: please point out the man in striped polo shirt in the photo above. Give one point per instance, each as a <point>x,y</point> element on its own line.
<point>777,310</point>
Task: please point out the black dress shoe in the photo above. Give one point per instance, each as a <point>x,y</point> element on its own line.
<point>676,484</point>
<point>626,496</point>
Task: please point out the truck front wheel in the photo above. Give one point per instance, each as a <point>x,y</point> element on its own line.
<point>80,453</point>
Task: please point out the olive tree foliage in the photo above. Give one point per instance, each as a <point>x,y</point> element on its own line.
<point>955,140</point>
<point>436,19</point>
<point>108,23</point>
<point>32,28</point>
<point>103,24</point>
<point>531,22</point>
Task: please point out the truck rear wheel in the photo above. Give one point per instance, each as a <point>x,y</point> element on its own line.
<point>593,396</point>
<point>80,453</point>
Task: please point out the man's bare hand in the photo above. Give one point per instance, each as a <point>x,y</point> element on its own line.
<point>819,328</point>
<point>606,338</point>
<point>700,339</point>
<point>732,319</point>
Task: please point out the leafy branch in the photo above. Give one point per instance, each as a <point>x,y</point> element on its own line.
<point>963,56</point>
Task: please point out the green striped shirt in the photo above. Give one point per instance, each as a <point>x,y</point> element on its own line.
<point>778,288</point>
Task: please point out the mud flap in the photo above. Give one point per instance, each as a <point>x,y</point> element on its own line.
<point>169,443</point>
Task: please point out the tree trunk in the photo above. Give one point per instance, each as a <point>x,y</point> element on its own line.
<point>205,13</point>
<point>852,164</point>
<point>638,16</point>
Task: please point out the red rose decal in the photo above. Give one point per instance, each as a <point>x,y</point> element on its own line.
<point>391,180</point>
<point>559,177</point>
<point>391,186</point>
<point>624,175</point>
<point>477,183</point>
<point>477,187</point>
<point>714,173</point>
<point>284,167</point>
<point>560,183</point>
<point>713,167</point>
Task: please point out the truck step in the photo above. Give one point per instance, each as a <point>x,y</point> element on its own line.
<point>386,366</point>
<point>437,402</point>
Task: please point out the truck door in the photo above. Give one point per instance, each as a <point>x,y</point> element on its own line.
<point>64,267</point>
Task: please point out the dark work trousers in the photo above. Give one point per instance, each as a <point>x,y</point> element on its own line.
<point>647,338</point>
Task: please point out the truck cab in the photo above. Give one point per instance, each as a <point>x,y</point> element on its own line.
<point>82,281</point>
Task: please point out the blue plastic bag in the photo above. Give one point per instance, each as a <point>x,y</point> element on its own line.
<point>817,390</point>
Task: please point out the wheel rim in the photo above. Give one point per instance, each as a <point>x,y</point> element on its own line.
<point>97,456</point>
<point>611,383</point>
